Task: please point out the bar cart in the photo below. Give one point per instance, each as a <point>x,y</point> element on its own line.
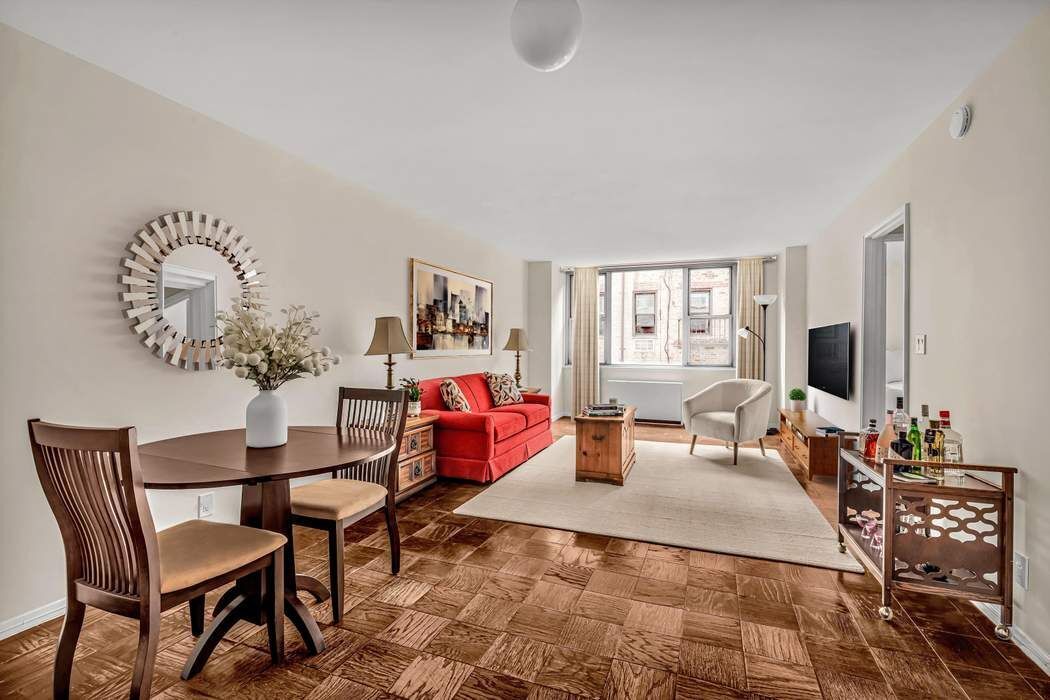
<point>953,538</point>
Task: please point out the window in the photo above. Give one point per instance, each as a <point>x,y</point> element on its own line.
<point>649,316</point>
<point>711,327</point>
<point>645,317</point>
<point>601,317</point>
<point>699,302</point>
<point>645,313</point>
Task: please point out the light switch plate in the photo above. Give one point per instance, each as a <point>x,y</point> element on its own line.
<point>920,343</point>
<point>206,505</point>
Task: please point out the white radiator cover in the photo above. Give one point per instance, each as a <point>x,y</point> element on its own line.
<point>653,400</point>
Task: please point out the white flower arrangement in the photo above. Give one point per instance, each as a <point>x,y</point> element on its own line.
<point>269,356</point>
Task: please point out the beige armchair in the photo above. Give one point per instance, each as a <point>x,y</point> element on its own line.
<point>733,410</point>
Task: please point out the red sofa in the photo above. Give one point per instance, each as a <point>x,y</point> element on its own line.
<point>488,442</point>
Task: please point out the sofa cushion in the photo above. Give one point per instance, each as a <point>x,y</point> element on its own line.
<point>453,396</point>
<point>534,413</point>
<point>477,389</point>
<point>506,424</point>
<point>431,398</point>
<point>503,389</point>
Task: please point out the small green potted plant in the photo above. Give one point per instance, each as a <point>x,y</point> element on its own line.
<point>412,388</point>
<point>797,399</point>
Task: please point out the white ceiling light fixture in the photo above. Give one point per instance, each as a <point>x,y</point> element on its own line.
<point>546,33</point>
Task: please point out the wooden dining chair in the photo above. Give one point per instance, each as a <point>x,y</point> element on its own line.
<point>351,494</point>
<point>118,562</point>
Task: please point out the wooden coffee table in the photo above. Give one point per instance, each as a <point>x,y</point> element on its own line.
<point>605,447</point>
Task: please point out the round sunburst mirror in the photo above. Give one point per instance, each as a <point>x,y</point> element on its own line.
<point>181,269</point>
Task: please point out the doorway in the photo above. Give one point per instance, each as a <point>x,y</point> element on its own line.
<point>885,323</point>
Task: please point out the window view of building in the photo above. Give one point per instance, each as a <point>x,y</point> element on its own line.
<point>645,313</point>
<point>710,316</point>
<point>646,324</point>
<point>601,318</point>
<point>646,317</point>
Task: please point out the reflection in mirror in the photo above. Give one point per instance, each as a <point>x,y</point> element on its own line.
<point>195,281</point>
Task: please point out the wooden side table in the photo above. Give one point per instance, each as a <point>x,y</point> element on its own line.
<point>818,455</point>
<point>605,447</point>
<point>416,463</point>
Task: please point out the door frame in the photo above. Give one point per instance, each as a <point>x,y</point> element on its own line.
<point>897,226</point>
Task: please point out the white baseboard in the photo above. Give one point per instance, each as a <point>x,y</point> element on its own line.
<point>1032,650</point>
<point>19,623</point>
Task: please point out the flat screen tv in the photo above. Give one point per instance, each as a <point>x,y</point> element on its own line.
<point>829,359</point>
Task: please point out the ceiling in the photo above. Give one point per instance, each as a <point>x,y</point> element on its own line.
<point>682,129</point>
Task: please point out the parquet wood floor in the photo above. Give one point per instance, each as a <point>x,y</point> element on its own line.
<point>485,609</point>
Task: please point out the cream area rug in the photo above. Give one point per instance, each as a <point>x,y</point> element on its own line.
<point>700,501</point>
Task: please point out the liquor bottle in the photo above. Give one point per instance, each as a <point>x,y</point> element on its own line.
<point>871,440</point>
<point>953,451</point>
<point>882,448</point>
<point>915,438</point>
<point>900,417</point>
<point>933,446</point>
<point>924,418</point>
<point>902,448</point>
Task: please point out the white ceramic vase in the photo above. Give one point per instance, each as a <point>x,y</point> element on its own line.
<point>797,405</point>
<point>415,408</point>
<point>266,420</point>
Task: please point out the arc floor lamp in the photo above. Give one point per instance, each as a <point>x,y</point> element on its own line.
<point>765,301</point>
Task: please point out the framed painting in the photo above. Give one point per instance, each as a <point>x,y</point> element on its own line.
<point>451,312</point>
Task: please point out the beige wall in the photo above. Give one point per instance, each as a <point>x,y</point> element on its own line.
<point>86,159</point>
<point>980,240</point>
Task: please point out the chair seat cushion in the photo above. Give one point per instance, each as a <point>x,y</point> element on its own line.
<point>337,499</point>
<point>720,425</point>
<point>198,550</point>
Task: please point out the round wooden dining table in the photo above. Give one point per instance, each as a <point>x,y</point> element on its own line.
<point>221,458</point>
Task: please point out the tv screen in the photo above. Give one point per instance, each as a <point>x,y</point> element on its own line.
<point>829,359</point>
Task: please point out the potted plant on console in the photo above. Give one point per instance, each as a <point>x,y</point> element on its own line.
<point>797,399</point>
<point>268,356</point>
<point>415,393</point>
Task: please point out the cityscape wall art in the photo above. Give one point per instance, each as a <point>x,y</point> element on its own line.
<point>451,312</point>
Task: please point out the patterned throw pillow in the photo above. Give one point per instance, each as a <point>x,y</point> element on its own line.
<point>453,397</point>
<point>503,389</point>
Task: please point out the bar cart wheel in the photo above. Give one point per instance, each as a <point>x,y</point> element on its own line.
<point>1003,632</point>
<point>886,613</point>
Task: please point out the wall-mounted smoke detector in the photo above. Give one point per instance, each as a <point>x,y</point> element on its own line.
<point>960,122</point>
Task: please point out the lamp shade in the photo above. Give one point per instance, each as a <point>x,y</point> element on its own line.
<point>389,338</point>
<point>517,341</point>
<point>765,299</point>
<point>743,332</point>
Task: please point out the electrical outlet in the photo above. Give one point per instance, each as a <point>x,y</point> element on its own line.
<point>920,343</point>
<point>1021,570</point>
<point>206,505</point>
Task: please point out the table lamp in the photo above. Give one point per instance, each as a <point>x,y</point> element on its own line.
<point>519,343</point>
<point>389,339</point>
